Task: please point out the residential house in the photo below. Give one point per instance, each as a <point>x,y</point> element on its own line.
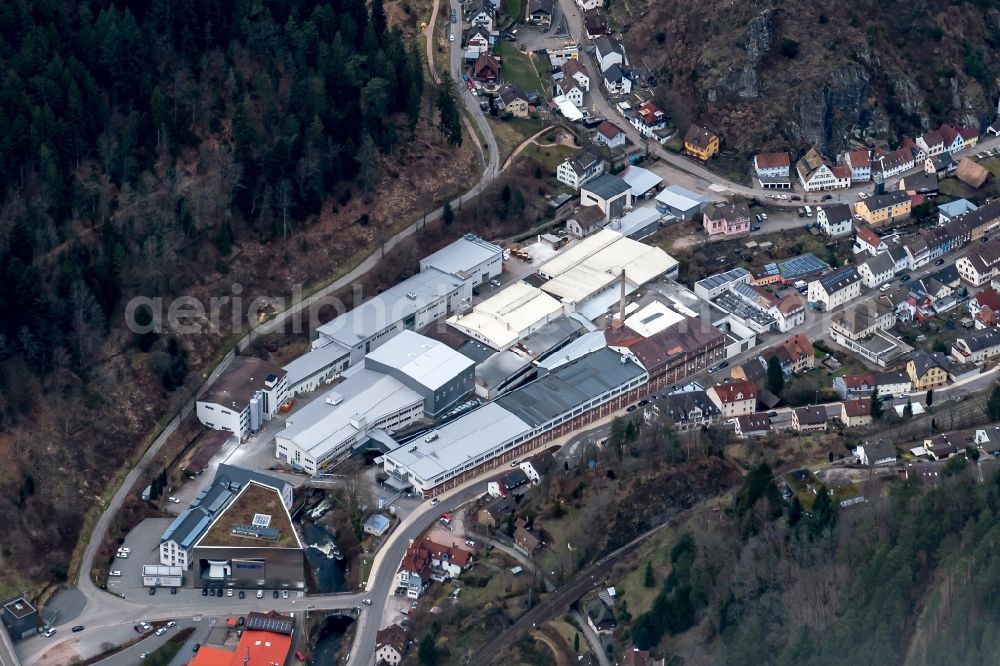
<point>596,24</point>
<point>788,313</point>
<point>539,12</point>
<point>884,209</point>
<point>894,382</point>
<point>483,13</point>
<point>726,219</point>
<point>486,69</point>
<point>563,55</point>
<point>854,386</point>
<point>426,560</point>
<point>734,399</point>
<point>947,444</point>
<point>835,219</point>
<point>971,173</point>
<point>863,320</point>
<point>808,419</point>
<point>650,120</point>
<point>994,127</point>
<point>952,140</point>
<point>609,51</point>
<point>970,136</point>
<point>610,194</point>
<point>700,143</point>
<point>919,183</point>
<point>636,657</point>
<point>610,135</point>
<point>585,221</point>
<point>917,252</point>
<point>856,412</point>
<point>930,144</point>
<point>896,162</point>
<point>800,351</point>
<point>571,90</point>
<point>752,370</point>
<point>477,40</point>
<point>876,270</point>
<point>511,99</point>
<point>577,71</point>
<point>860,164</point>
<point>981,263</point>
<point>980,221</point>
<point>524,539</point>
<point>941,165</point>
<point>616,81</point>
<point>390,645</point>
<point>977,346</point>
<point>873,454</point>
<point>752,425</point>
<point>579,169</point>
<point>688,409</point>
<point>816,173</point>
<point>588,5</point>
<point>495,511</point>
<point>927,370</point>
<point>773,170</point>
<point>866,240</point>
<point>985,308</point>
<point>899,257</point>
<point>835,288</point>
<point>600,618</point>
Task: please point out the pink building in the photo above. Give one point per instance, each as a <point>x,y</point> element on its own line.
<point>725,219</point>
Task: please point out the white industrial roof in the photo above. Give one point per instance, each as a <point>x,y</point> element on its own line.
<point>679,198</point>
<point>637,219</point>
<point>639,179</point>
<point>653,318</point>
<point>392,305</point>
<point>320,427</point>
<point>568,108</point>
<point>459,442</point>
<point>583,345</point>
<point>462,256</point>
<point>595,262</point>
<point>428,362</point>
<point>314,361</point>
<point>499,319</point>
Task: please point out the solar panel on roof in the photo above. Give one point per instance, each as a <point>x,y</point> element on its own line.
<point>278,625</point>
<point>257,532</point>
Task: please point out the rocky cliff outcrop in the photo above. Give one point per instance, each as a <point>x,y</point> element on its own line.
<point>828,74</point>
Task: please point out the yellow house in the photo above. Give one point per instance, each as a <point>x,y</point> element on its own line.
<point>927,371</point>
<point>883,209</point>
<point>700,143</point>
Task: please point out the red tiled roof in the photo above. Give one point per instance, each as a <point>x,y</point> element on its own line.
<point>733,391</point>
<point>858,407</point>
<point>790,304</point>
<point>771,160</point>
<point>857,381</point>
<point>798,344</point>
<point>967,132</point>
<point>608,129</point>
<point>948,133</point>
<point>989,297</point>
<point>868,236</point>
<point>841,172</point>
<point>859,158</point>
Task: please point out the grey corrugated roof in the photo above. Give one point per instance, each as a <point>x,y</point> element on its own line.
<point>187,527</point>
<point>607,186</point>
<point>570,386</point>
<point>880,201</point>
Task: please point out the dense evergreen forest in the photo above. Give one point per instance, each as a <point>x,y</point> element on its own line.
<point>909,577</point>
<point>145,143</point>
<point>99,98</point>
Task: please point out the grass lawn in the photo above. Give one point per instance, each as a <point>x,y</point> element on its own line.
<point>166,652</point>
<point>993,166</point>
<point>549,157</point>
<point>511,9</point>
<point>518,68</point>
<point>366,568</point>
<point>675,145</point>
<point>510,133</point>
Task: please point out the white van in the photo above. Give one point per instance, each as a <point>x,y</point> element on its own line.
<point>50,631</point>
<point>809,211</point>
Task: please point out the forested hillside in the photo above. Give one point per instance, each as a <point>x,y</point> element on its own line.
<point>168,147</point>
<point>911,577</point>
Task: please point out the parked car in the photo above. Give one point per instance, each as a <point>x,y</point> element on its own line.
<point>366,601</point>
<point>260,594</point>
<point>755,227</point>
<point>470,544</point>
<point>171,624</point>
<point>863,195</point>
<point>275,594</point>
<point>763,216</point>
<point>905,278</point>
<point>125,550</point>
<point>204,591</point>
<point>243,594</point>
<point>939,262</point>
<point>724,364</point>
<point>115,573</point>
<point>827,197</point>
<point>173,500</point>
<point>143,655</point>
<point>161,631</point>
<point>152,591</point>
<point>50,631</point>
<point>515,462</point>
<point>771,415</point>
<point>78,628</point>
<point>885,287</point>
<point>796,197</point>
